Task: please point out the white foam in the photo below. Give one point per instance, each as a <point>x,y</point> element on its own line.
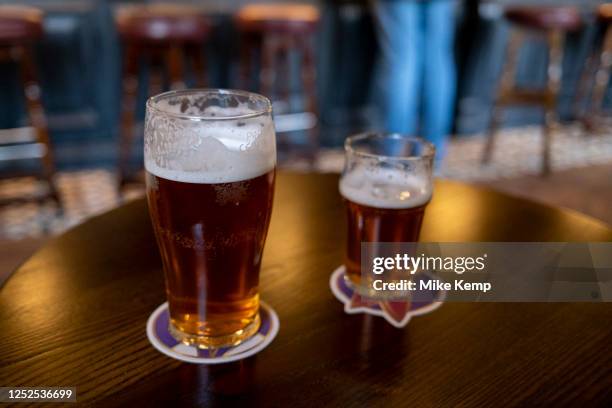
<point>385,188</point>
<point>233,174</point>
<point>190,108</point>
<point>211,151</point>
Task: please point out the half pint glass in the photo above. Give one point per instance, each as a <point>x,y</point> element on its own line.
<point>386,185</point>
<point>210,158</point>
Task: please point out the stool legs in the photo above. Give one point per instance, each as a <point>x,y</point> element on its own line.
<point>283,68</point>
<point>504,91</point>
<point>156,73</point>
<point>268,73</point>
<point>199,65</point>
<point>555,60</point>
<point>248,43</point>
<point>38,119</point>
<point>128,111</point>
<point>547,99</point>
<point>602,76</point>
<point>549,121</point>
<point>580,104</point>
<point>309,88</point>
<point>174,62</point>
<point>494,123</point>
<point>275,74</point>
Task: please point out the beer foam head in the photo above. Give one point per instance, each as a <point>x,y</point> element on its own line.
<point>190,138</point>
<point>385,188</point>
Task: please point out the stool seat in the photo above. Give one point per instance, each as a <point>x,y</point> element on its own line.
<point>291,18</point>
<point>545,18</point>
<point>20,24</point>
<point>166,38</point>
<point>161,23</point>
<point>270,34</point>
<point>604,13</point>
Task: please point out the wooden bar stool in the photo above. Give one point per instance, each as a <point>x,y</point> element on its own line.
<point>20,29</point>
<point>550,23</point>
<point>165,37</point>
<point>596,75</point>
<point>272,32</point>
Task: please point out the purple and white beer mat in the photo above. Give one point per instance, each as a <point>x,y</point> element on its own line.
<point>397,313</point>
<point>162,340</point>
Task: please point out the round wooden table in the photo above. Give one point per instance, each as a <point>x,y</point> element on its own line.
<point>75,314</point>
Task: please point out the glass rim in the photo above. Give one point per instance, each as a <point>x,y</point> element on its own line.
<point>153,100</point>
<point>430,149</point>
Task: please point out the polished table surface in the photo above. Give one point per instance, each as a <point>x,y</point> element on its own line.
<point>75,314</point>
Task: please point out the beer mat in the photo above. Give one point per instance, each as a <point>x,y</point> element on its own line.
<point>162,340</point>
<point>398,313</point>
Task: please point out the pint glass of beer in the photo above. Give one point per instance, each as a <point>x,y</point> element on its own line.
<point>210,158</point>
<point>386,185</point>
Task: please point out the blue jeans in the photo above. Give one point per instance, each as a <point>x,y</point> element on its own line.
<point>417,63</point>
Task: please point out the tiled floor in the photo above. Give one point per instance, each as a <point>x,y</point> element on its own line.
<point>517,157</point>
<point>517,153</point>
<point>83,193</point>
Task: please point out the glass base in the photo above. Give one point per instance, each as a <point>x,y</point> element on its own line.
<point>213,342</point>
<point>360,289</point>
<point>370,293</point>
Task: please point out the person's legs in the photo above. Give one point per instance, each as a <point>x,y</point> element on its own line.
<point>439,72</point>
<point>398,81</point>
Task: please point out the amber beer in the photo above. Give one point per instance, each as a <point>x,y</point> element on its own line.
<point>385,194</point>
<point>211,238</point>
<point>210,195</point>
<point>371,224</point>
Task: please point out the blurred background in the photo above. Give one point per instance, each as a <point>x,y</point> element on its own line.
<point>514,94</point>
